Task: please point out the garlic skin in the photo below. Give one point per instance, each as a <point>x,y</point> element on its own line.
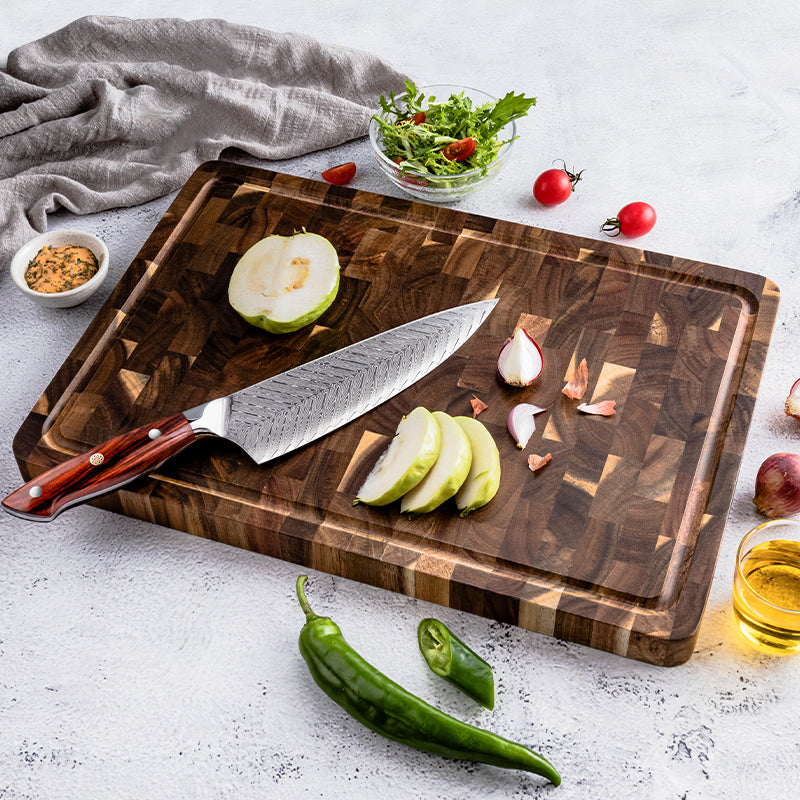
<point>520,361</point>
<point>778,486</point>
<point>521,424</point>
<point>792,405</point>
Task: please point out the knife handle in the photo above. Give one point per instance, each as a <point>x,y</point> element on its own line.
<point>100,470</point>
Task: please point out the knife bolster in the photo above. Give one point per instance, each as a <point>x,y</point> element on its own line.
<point>210,419</point>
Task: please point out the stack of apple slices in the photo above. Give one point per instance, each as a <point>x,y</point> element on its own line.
<point>432,458</point>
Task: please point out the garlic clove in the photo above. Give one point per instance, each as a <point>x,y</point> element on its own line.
<point>521,423</point>
<point>477,406</point>
<point>778,486</point>
<point>537,462</point>
<point>792,405</point>
<point>578,382</point>
<point>520,361</point>
<point>605,408</point>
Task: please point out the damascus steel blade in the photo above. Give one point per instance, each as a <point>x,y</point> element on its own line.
<point>300,405</point>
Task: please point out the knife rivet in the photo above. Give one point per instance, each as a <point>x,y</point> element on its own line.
<point>35,491</point>
<point>95,459</point>
<point>154,434</point>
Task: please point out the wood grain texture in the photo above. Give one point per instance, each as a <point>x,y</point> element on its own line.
<point>612,545</point>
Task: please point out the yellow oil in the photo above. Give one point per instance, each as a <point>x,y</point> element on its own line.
<point>766,595</point>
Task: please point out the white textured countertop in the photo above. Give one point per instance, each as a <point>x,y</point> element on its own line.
<point>141,662</point>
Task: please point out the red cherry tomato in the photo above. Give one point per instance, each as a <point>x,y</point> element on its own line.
<point>417,119</point>
<point>458,151</point>
<point>554,186</point>
<point>634,219</point>
<point>409,178</point>
<point>340,175</point>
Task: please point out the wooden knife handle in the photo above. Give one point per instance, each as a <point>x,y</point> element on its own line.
<point>100,470</point>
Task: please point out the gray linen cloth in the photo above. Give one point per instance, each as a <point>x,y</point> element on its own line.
<point>110,112</point>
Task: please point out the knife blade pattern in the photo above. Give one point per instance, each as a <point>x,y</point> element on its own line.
<point>296,407</point>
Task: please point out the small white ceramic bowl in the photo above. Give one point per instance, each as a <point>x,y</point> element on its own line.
<point>59,238</point>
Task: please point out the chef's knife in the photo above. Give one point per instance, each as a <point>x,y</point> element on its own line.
<point>267,419</point>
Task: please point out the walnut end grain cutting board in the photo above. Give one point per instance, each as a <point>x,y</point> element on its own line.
<point>612,545</point>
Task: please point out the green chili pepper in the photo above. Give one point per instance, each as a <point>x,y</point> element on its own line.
<point>452,660</point>
<point>386,708</point>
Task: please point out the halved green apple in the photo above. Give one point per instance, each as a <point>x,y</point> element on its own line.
<point>483,480</point>
<point>445,477</point>
<point>405,462</point>
<point>285,282</point>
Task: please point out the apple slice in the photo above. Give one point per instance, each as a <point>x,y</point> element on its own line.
<point>285,282</point>
<point>445,477</point>
<point>483,480</point>
<point>406,460</point>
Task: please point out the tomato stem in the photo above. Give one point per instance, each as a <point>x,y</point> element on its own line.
<point>573,177</point>
<point>610,225</point>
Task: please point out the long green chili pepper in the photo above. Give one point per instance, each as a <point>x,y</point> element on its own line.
<point>449,658</point>
<point>386,708</point>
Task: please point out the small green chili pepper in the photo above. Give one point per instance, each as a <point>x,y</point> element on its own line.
<point>386,708</point>
<point>452,660</point>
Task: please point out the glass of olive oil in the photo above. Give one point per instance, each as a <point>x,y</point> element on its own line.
<point>766,586</point>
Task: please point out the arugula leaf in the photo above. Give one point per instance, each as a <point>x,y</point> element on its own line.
<point>418,146</point>
<point>512,106</point>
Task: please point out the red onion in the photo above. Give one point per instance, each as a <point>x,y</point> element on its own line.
<point>521,424</point>
<point>520,361</point>
<point>792,406</point>
<point>778,485</point>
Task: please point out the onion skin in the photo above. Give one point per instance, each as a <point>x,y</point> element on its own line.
<point>605,408</point>
<point>778,486</point>
<point>537,462</point>
<point>578,382</point>
<point>477,406</point>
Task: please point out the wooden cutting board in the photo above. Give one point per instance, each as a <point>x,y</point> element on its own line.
<point>612,545</point>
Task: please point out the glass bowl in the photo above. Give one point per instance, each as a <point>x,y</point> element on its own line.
<point>766,586</point>
<point>443,188</point>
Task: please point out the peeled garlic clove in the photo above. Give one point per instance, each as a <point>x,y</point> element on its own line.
<point>778,486</point>
<point>520,361</point>
<point>792,406</point>
<point>577,384</point>
<point>605,408</point>
<point>521,423</point>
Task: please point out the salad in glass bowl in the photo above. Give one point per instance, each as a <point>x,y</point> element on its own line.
<point>441,142</point>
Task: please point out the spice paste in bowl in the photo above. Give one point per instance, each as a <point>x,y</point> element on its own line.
<point>59,269</point>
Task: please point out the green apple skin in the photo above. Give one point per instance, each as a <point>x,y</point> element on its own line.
<point>405,462</point>
<point>483,481</point>
<point>283,283</point>
<point>447,475</point>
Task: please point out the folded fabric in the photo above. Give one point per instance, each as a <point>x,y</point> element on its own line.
<point>111,112</point>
